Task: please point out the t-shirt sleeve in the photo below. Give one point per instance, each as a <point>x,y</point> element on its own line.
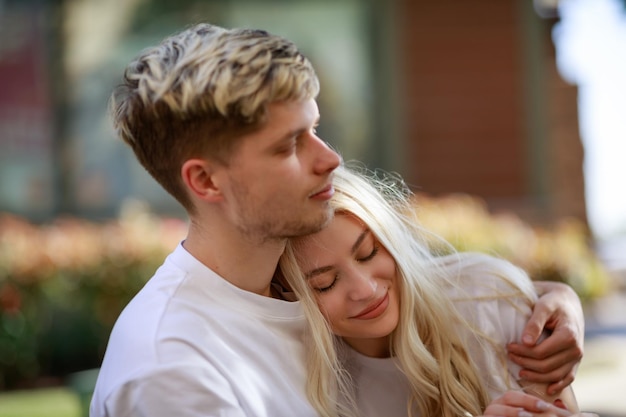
<point>498,310</point>
<point>184,391</point>
<point>512,315</point>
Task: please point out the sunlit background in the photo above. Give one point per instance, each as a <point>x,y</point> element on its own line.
<point>456,96</point>
<point>518,105</point>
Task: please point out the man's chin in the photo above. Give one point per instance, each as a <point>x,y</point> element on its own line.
<point>309,228</point>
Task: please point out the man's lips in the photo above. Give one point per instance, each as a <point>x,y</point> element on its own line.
<point>375,309</point>
<point>324,194</point>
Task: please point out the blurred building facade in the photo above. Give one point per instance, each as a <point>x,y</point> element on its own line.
<point>486,111</point>
<point>457,96</point>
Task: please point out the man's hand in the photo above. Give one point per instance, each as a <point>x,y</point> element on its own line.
<point>555,359</point>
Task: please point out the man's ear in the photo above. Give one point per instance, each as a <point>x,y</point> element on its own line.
<point>198,176</point>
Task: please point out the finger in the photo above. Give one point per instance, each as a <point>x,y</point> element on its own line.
<point>519,400</point>
<point>555,366</point>
<point>534,361</point>
<point>520,349</point>
<point>546,348</point>
<point>515,399</point>
<point>503,410</point>
<point>552,377</point>
<point>563,308</point>
<point>506,411</point>
<point>500,410</point>
<point>561,363</point>
<point>535,325</point>
<point>563,339</point>
<point>565,358</point>
<point>557,387</point>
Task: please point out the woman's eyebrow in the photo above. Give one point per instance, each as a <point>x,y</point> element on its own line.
<point>359,240</point>
<point>324,269</point>
<point>317,271</point>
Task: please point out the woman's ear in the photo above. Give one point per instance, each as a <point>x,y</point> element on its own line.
<point>198,176</point>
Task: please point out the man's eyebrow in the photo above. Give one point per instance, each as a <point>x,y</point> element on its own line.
<point>299,131</point>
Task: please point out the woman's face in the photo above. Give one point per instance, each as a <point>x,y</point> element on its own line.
<point>354,281</point>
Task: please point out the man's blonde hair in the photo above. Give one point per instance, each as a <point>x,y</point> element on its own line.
<point>198,91</point>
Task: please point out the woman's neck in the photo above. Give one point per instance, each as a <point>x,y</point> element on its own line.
<point>374,348</point>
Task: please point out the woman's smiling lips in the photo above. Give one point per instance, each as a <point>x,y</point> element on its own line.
<point>374,310</point>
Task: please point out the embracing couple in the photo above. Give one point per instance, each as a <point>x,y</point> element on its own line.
<point>304,287</point>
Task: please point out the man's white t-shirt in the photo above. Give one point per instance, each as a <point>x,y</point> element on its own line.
<point>383,390</point>
<point>191,344</point>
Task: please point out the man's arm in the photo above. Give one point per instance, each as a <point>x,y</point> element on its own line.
<point>555,359</point>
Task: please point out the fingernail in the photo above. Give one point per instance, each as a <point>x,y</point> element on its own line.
<point>558,411</point>
<point>542,405</point>
<point>528,339</point>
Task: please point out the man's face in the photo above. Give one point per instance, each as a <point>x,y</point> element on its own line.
<point>280,176</point>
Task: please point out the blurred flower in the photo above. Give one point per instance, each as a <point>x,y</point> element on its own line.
<point>10,299</point>
<point>68,280</point>
<point>561,252</point>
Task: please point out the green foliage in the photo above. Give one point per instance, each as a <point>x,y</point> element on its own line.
<point>63,284</point>
<point>50,402</point>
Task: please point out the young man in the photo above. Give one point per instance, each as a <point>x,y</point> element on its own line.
<point>225,121</point>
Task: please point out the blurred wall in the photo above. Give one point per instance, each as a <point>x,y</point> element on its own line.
<point>27,115</point>
<point>457,96</point>
<point>485,110</point>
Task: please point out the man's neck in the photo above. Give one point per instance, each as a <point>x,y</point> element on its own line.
<point>247,265</point>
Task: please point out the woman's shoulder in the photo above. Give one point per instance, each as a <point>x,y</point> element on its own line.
<point>490,294</point>
<point>478,275</point>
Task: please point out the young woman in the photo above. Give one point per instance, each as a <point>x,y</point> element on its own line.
<point>398,331</point>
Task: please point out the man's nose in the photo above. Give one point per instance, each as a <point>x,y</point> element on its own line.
<point>327,159</point>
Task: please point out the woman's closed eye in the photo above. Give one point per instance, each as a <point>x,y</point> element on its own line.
<point>369,256</point>
<point>326,287</point>
<point>322,287</point>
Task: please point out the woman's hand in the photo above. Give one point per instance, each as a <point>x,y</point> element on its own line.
<point>520,404</point>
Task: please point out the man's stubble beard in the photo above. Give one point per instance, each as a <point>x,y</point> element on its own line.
<point>266,230</point>
<point>272,226</point>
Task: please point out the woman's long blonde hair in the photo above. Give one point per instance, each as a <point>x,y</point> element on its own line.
<point>443,380</point>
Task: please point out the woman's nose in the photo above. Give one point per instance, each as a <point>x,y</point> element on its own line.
<point>362,288</point>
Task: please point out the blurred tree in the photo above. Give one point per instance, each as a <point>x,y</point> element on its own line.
<point>151,12</point>
<point>59,91</point>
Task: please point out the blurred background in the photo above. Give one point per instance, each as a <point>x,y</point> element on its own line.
<point>505,116</point>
